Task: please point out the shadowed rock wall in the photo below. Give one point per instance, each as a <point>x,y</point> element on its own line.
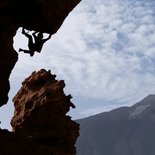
<point>8,58</point>
<point>39,15</point>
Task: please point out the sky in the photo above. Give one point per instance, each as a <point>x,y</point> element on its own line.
<point>105,52</point>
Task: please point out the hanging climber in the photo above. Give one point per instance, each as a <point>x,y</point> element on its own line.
<point>38,42</point>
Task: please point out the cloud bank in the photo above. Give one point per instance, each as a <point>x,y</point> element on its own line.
<point>104,50</point>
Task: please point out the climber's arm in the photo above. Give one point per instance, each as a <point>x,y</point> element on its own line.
<point>26,34</point>
<point>34,34</point>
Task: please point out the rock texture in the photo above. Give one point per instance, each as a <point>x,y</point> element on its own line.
<point>45,16</point>
<point>40,125</point>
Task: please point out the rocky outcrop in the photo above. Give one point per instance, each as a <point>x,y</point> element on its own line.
<point>40,124</point>
<point>8,58</point>
<point>39,15</point>
<point>44,16</point>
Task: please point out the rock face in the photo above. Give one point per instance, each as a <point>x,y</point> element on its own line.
<point>39,15</point>
<point>8,58</point>
<point>40,125</point>
<point>44,16</point>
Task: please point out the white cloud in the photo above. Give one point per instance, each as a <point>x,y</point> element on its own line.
<point>104,49</point>
<point>101,49</point>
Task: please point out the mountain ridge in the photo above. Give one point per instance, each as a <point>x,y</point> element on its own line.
<point>122,131</point>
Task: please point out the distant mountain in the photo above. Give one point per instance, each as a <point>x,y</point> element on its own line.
<point>123,131</point>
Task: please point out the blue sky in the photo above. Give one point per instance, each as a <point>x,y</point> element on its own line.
<point>104,51</point>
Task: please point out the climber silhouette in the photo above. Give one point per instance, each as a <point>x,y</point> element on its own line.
<point>38,42</point>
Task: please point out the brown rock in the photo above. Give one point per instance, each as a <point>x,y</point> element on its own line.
<point>40,115</point>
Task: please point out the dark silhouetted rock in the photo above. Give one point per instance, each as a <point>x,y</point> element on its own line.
<point>8,58</point>
<point>39,15</point>
<point>40,124</point>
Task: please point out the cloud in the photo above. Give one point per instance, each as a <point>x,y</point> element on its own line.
<point>101,49</point>
<point>104,50</point>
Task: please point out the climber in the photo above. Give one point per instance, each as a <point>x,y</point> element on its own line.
<point>38,42</point>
